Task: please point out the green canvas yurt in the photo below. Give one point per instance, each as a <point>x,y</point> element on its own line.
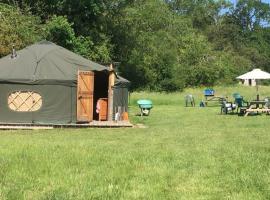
<point>46,83</point>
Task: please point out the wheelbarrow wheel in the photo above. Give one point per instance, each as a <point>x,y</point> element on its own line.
<point>145,111</point>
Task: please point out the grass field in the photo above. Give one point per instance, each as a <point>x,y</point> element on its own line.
<point>183,153</point>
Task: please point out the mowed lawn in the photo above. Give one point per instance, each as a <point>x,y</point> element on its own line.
<point>182,153</point>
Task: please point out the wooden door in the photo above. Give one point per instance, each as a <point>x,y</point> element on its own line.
<point>103,112</point>
<point>85,89</point>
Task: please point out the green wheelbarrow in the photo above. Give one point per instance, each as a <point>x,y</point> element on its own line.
<point>145,106</point>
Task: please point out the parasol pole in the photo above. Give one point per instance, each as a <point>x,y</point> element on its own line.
<point>257,90</point>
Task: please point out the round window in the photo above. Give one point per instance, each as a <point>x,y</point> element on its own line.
<point>24,101</point>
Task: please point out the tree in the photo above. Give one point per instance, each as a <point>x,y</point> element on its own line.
<point>61,32</point>
<point>89,20</point>
<point>161,45</point>
<point>148,43</point>
<point>202,13</point>
<point>249,14</point>
<point>17,28</point>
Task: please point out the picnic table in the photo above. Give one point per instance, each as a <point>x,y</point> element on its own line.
<point>210,96</point>
<point>257,106</point>
<point>218,99</point>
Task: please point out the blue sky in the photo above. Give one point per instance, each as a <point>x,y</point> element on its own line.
<point>266,1</point>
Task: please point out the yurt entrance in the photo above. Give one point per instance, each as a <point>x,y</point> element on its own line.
<point>101,84</point>
<point>92,96</point>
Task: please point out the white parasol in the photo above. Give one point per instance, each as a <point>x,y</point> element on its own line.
<point>256,74</point>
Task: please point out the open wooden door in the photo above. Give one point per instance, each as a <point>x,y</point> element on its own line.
<point>85,90</point>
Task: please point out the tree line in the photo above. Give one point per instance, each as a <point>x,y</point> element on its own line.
<point>160,45</point>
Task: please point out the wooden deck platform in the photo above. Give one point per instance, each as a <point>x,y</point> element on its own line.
<point>93,124</point>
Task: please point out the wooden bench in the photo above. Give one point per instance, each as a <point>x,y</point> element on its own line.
<point>258,110</point>
<point>218,99</point>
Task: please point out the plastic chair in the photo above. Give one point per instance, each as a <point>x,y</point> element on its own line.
<point>267,102</point>
<point>241,104</point>
<point>227,107</point>
<point>236,95</point>
<point>189,99</point>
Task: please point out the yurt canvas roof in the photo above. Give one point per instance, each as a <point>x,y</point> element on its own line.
<point>46,63</point>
